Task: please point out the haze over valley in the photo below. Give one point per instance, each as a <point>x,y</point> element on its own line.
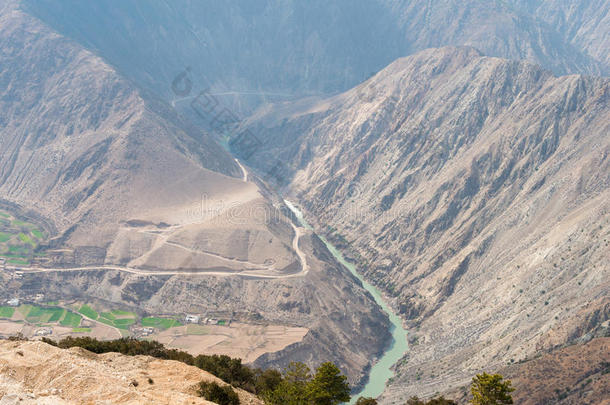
<point>417,192</point>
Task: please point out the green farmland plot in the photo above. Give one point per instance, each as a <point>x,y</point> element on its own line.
<point>57,314</point>
<point>106,321</point>
<point>6,312</point>
<point>108,316</point>
<point>24,309</point>
<point>18,262</point>
<point>115,318</point>
<point>71,320</point>
<point>88,312</point>
<point>118,323</point>
<point>19,240</point>
<point>45,315</point>
<point>17,249</point>
<point>81,330</point>
<point>123,314</point>
<point>19,224</point>
<point>124,323</point>
<point>35,314</point>
<point>26,239</point>
<point>161,323</point>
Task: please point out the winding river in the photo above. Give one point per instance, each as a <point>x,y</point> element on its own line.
<point>381,371</point>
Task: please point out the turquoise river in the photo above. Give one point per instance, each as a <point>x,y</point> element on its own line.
<point>381,371</point>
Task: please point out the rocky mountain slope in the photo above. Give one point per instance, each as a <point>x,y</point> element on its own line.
<point>578,374</point>
<point>38,373</point>
<point>136,202</point>
<point>256,51</point>
<point>473,190</point>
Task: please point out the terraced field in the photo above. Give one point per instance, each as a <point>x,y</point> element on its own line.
<point>41,316</point>
<point>18,240</point>
<point>160,323</point>
<point>7,312</point>
<point>116,318</point>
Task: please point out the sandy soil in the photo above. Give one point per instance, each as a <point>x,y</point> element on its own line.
<point>36,373</point>
<point>245,341</point>
<point>10,328</point>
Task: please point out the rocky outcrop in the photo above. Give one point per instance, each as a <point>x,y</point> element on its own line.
<point>38,373</point>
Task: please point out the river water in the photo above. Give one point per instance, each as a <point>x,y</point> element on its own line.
<point>380,373</point>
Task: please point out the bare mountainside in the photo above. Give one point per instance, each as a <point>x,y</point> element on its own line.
<point>38,373</point>
<point>474,191</point>
<point>143,210</point>
<point>574,375</point>
<point>253,51</point>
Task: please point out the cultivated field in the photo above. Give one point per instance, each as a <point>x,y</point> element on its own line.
<point>242,340</point>
<point>18,240</point>
<point>236,339</point>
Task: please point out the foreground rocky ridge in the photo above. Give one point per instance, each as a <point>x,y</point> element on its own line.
<point>473,190</point>
<point>37,373</point>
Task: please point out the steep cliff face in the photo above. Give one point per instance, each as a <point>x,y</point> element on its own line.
<point>266,50</point>
<point>80,143</point>
<point>473,190</point>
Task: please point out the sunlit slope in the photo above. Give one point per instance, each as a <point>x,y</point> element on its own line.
<point>472,190</point>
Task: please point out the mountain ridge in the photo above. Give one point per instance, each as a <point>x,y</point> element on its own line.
<point>311,58</point>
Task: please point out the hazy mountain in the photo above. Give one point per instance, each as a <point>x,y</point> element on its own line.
<point>269,50</point>
<point>583,24</point>
<point>499,29</point>
<point>469,182</point>
<point>126,190</point>
<point>473,190</point>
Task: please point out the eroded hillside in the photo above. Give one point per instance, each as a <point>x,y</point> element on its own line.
<point>473,190</point>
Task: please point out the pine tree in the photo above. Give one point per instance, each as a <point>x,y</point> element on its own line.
<point>329,386</point>
<point>489,389</point>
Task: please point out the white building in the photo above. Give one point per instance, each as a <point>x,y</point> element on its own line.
<point>13,302</point>
<point>192,319</point>
<point>44,332</point>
